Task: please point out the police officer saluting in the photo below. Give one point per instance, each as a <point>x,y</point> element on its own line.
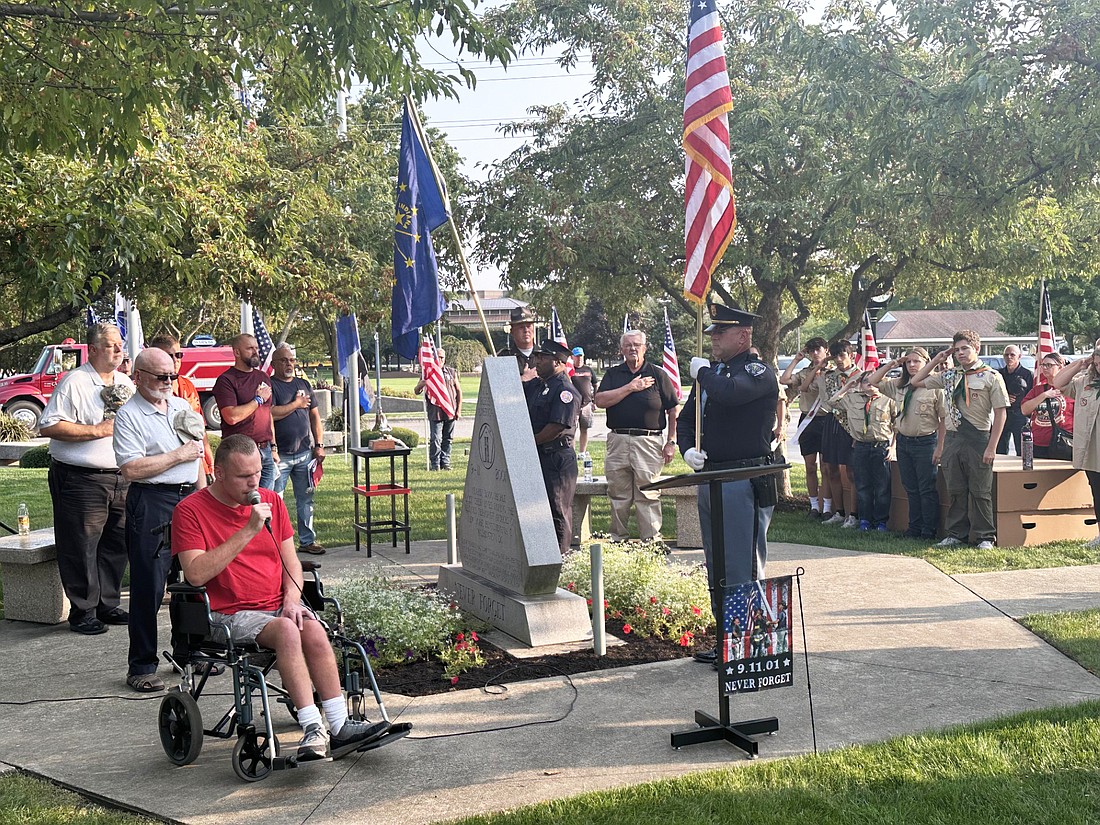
<point>739,395</point>
<point>554,405</point>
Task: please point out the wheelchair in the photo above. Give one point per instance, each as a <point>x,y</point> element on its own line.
<point>197,656</point>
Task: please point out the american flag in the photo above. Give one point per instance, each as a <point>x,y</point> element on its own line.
<point>868,349</point>
<point>267,346</point>
<point>708,194</point>
<point>670,364</point>
<point>771,596</point>
<point>557,333</point>
<point>1046,324</point>
<point>435,383</point>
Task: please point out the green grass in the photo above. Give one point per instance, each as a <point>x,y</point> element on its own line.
<point>1076,633</point>
<point>1036,767</point>
<point>28,801</point>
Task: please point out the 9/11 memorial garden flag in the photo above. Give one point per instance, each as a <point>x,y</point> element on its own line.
<point>710,213</point>
<point>756,636</point>
<point>421,207</point>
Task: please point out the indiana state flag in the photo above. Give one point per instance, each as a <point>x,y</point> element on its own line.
<point>421,207</point>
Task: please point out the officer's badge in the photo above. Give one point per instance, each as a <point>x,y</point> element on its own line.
<point>566,397</point>
<point>545,391</point>
<point>755,369</point>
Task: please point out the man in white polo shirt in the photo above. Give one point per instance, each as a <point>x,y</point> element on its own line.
<point>89,495</point>
<point>159,448</point>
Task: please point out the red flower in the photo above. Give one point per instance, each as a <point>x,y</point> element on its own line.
<point>473,635</point>
<point>627,628</point>
<point>571,586</point>
<point>606,604</point>
<point>589,602</point>
<point>459,637</point>
<point>685,640</point>
<point>696,610</point>
<point>454,680</point>
<point>653,600</point>
<point>460,646</point>
<point>665,611</point>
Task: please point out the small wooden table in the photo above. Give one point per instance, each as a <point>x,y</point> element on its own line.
<point>369,491</point>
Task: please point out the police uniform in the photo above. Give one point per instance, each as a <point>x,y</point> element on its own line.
<point>556,401</point>
<point>738,416</point>
<point>520,315</point>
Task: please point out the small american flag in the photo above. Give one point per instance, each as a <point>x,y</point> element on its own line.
<point>267,346</point>
<point>1046,324</point>
<point>669,364</point>
<point>868,357</point>
<point>772,597</point>
<point>435,383</point>
<point>710,213</point>
<point>557,333</point>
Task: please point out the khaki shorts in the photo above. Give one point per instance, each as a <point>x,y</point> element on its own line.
<point>246,625</point>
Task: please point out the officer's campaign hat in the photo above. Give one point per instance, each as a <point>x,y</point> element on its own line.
<point>723,317</point>
<point>558,350</point>
<point>522,315</point>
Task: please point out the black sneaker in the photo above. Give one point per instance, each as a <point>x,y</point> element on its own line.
<point>88,626</point>
<point>707,657</point>
<point>116,616</point>
<point>358,734</point>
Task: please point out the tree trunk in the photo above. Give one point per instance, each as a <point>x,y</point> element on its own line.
<point>766,331</point>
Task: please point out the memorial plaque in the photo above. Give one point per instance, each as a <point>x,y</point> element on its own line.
<point>509,550</point>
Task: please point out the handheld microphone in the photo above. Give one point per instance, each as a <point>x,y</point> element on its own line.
<point>254,499</point>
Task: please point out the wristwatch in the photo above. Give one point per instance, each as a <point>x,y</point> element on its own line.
<point>259,401</point>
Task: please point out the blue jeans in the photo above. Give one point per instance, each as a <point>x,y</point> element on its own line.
<point>296,467</point>
<point>439,450</point>
<point>267,468</point>
<point>918,477</point>
<point>872,478</point>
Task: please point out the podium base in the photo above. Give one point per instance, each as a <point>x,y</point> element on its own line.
<point>736,733</point>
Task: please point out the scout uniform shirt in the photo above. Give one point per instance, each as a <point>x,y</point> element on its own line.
<point>869,417</point>
<point>808,391</point>
<point>920,409</point>
<point>828,384</point>
<point>972,394</point>
<point>1086,411</point>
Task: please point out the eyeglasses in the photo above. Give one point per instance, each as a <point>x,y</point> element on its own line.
<point>177,355</point>
<point>1045,366</point>
<point>161,376</point>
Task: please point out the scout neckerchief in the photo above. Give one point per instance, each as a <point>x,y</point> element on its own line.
<point>962,388</point>
<point>908,397</point>
<point>867,411</point>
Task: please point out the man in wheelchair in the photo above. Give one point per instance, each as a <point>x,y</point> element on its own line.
<point>236,539</point>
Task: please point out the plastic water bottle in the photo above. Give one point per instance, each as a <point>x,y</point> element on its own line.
<point>23,519</point>
<point>1027,449</point>
<point>587,458</point>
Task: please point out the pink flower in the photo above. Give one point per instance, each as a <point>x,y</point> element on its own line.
<point>460,637</point>
<point>627,628</point>
<point>696,610</point>
<point>460,646</point>
<point>454,680</point>
<point>571,586</point>
<point>665,611</point>
<point>473,635</point>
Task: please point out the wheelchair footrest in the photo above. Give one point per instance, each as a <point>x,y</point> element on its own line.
<point>398,731</point>
<point>283,763</point>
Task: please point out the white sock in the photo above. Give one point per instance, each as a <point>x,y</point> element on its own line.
<point>309,715</point>
<point>827,505</point>
<point>813,502</point>
<point>336,713</point>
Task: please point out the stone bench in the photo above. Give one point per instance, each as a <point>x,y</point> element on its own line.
<point>32,585</point>
<point>688,533</point>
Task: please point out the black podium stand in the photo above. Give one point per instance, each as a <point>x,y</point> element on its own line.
<point>721,729</point>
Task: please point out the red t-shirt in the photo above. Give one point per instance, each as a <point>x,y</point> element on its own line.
<point>254,579</point>
<point>235,388</point>
<point>1040,420</point>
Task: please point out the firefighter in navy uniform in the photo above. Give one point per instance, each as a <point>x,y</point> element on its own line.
<point>739,400</point>
<point>554,405</point>
<point>522,345</point>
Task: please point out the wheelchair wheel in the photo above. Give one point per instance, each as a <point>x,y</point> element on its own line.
<point>180,726</point>
<point>252,756</point>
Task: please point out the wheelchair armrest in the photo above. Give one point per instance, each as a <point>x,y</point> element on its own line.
<point>184,587</point>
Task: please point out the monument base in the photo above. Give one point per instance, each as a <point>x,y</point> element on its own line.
<point>556,618</point>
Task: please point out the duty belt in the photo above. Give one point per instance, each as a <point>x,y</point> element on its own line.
<point>738,463</point>
<point>637,432</point>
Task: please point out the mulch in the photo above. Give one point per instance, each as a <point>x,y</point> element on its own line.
<point>425,678</point>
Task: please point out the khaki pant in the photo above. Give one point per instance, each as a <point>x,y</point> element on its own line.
<point>969,484</point>
<point>633,460</point>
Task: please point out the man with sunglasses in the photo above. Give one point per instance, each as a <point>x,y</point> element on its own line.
<point>184,388</point>
<point>159,449</point>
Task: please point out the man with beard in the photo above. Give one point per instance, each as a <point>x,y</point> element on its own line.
<point>243,393</point>
<point>89,495</point>
<point>159,449</point>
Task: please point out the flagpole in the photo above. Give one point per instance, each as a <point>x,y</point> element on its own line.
<point>698,389</point>
<point>1039,329</point>
<point>415,118</point>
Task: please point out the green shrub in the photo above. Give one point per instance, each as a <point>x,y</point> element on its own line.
<point>410,437</point>
<point>651,595</point>
<point>215,442</point>
<point>36,457</point>
<point>12,429</point>
<point>397,624</point>
<point>393,392</point>
<point>464,355</point>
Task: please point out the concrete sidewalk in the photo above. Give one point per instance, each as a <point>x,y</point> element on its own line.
<point>895,647</point>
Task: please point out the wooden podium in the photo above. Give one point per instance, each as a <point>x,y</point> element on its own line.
<point>721,729</point>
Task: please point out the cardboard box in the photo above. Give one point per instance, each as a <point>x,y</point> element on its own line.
<point>1028,529</point>
<point>1052,485</point>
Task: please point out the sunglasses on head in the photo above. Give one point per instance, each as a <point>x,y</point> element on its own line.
<point>161,376</point>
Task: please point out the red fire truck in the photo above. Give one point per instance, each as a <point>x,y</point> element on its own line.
<point>24,396</point>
